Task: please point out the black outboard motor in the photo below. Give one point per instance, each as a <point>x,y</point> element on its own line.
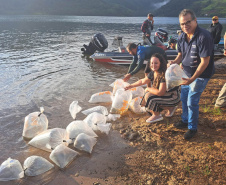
<point>98,43</point>
<point>162,35</point>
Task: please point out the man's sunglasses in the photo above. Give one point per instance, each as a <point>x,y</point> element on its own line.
<point>214,19</point>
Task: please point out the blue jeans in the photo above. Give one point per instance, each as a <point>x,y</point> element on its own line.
<point>190,96</point>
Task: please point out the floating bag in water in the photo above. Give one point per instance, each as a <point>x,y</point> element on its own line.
<point>101,97</point>
<point>119,84</point>
<point>174,75</point>
<point>100,109</point>
<point>74,109</point>
<point>85,142</point>
<point>62,155</point>
<point>11,169</point>
<point>36,165</point>
<point>121,101</point>
<point>94,119</point>
<point>135,106</point>
<point>34,124</point>
<point>49,139</point>
<point>113,117</point>
<point>137,91</point>
<point>77,127</point>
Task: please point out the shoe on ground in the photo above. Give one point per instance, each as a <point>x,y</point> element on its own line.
<point>180,124</point>
<point>190,134</point>
<point>159,118</point>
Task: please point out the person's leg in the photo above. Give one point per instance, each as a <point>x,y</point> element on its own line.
<point>221,99</point>
<point>184,100</point>
<point>195,90</point>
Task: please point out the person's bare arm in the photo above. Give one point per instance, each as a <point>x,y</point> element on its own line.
<point>177,60</point>
<point>138,83</point>
<point>159,92</point>
<point>202,66</point>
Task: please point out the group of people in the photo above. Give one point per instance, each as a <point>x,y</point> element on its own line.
<point>195,47</point>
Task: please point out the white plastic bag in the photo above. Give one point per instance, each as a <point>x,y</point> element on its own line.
<point>49,139</point>
<point>85,142</point>
<point>34,124</point>
<point>137,91</point>
<point>174,75</point>
<point>135,106</point>
<point>113,117</point>
<point>100,109</point>
<point>77,127</point>
<point>119,84</point>
<point>36,165</point>
<point>94,119</point>
<point>74,109</point>
<point>11,169</point>
<point>62,155</point>
<point>121,101</point>
<point>101,97</point>
<point>104,128</point>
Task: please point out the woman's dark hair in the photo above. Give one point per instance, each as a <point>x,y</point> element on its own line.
<point>163,63</point>
<point>131,46</point>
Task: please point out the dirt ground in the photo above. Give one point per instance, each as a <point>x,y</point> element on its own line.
<point>164,157</point>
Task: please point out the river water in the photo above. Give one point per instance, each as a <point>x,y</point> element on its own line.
<point>41,65</point>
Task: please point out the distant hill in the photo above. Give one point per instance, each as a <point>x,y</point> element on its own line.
<point>80,7</point>
<point>112,7</point>
<point>200,7</point>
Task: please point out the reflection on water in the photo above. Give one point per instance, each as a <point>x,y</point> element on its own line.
<point>41,65</point>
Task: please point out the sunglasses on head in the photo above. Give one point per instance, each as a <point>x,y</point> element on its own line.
<point>215,19</point>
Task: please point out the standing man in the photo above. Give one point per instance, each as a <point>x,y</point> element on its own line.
<point>215,29</point>
<point>146,28</point>
<point>196,52</point>
<point>141,53</point>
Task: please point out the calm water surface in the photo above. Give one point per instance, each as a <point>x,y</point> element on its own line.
<point>41,65</point>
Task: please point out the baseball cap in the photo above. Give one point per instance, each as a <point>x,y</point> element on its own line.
<point>214,17</point>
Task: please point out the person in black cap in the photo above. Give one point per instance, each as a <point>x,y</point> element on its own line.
<point>146,28</point>
<point>215,29</point>
<point>172,43</point>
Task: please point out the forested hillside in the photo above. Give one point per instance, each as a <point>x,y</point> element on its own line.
<point>200,7</point>
<point>112,7</point>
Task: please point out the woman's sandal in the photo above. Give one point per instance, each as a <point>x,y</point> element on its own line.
<point>171,114</point>
<point>155,120</point>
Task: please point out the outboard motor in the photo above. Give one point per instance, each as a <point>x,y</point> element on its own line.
<point>98,43</point>
<point>162,35</point>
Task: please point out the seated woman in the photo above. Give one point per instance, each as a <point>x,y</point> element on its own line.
<point>156,97</point>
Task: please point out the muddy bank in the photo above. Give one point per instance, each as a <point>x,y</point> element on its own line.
<point>164,157</point>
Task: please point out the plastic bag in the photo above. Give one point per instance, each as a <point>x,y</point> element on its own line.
<point>94,119</point>
<point>77,127</point>
<point>135,106</point>
<point>137,91</point>
<point>62,155</point>
<point>174,75</point>
<point>119,84</point>
<point>100,109</point>
<point>113,117</point>
<point>36,165</point>
<point>34,124</point>
<point>104,128</point>
<point>85,142</point>
<point>101,97</point>
<point>49,139</point>
<point>121,101</point>
<point>11,169</point>
<point>74,109</point>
